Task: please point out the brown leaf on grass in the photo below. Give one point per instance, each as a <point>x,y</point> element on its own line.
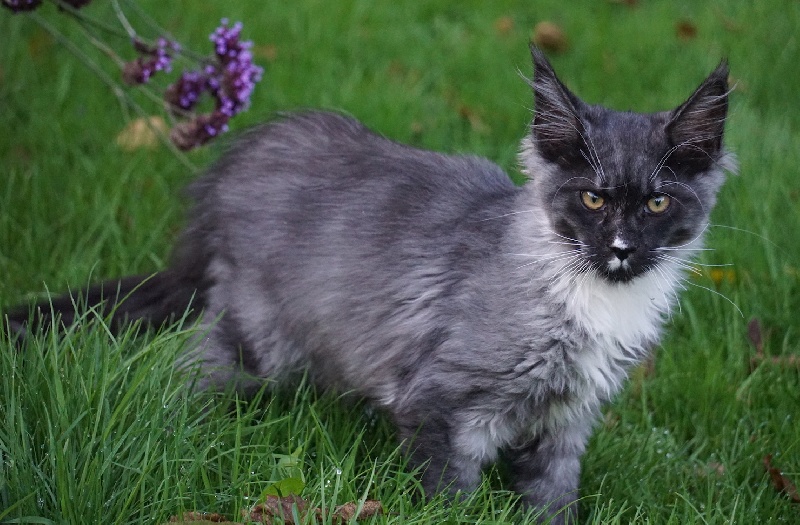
<point>712,468</point>
<point>275,509</point>
<point>283,508</point>
<point>549,36</point>
<point>268,52</point>
<point>475,121</point>
<point>782,361</point>
<point>781,482</point>
<point>755,335</point>
<point>503,25</point>
<point>347,511</point>
<point>200,518</point>
<point>141,133</point>
<point>686,30</point>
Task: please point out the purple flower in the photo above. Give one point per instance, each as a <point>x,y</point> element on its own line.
<point>158,58</point>
<point>234,78</point>
<point>21,5</point>
<point>229,79</point>
<point>199,130</point>
<point>185,93</point>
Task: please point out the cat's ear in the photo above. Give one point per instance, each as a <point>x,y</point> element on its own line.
<point>556,129</point>
<point>695,128</point>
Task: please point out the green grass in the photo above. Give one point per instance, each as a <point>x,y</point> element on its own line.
<point>99,429</point>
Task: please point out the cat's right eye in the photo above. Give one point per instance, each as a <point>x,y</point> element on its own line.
<point>592,200</point>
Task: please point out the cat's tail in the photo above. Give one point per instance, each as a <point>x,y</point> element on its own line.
<point>155,300</point>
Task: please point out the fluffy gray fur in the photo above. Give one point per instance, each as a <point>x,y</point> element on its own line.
<point>483,317</point>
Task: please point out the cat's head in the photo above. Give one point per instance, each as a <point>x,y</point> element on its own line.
<point>622,188</point>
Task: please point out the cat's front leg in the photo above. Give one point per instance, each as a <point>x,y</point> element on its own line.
<point>430,444</point>
<point>546,472</point>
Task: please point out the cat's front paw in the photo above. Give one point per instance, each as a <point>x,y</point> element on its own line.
<point>561,511</point>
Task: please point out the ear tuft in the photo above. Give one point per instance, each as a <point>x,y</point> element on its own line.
<point>556,129</point>
<point>696,127</point>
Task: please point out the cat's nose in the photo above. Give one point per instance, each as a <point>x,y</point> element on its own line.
<point>622,249</point>
<point>622,253</point>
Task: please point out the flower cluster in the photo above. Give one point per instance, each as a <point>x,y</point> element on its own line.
<point>227,77</point>
<point>237,76</point>
<point>152,59</point>
<point>229,80</point>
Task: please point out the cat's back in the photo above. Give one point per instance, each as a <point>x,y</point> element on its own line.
<point>324,149</point>
<point>310,177</point>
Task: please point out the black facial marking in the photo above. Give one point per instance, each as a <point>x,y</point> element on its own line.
<point>608,165</point>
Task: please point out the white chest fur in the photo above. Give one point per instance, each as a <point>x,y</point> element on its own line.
<point>620,321</point>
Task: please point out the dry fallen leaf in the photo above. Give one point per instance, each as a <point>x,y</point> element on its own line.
<point>686,30</point>
<point>712,468</point>
<point>284,509</point>
<point>278,507</point>
<point>549,36</point>
<point>781,482</point>
<point>268,52</point>
<point>475,121</point>
<point>756,336</point>
<point>200,518</point>
<point>141,133</point>
<point>347,511</point>
<point>785,361</point>
<point>503,25</point>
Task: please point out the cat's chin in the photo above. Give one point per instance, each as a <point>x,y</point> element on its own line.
<point>620,276</point>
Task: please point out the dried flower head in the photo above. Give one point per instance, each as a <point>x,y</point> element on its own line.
<point>154,58</point>
<point>199,130</point>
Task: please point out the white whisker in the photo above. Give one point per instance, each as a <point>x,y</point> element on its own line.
<point>719,294</point>
<point>683,263</point>
<point>507,215</point>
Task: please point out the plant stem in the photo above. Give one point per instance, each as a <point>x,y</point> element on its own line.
<point>111,83</point>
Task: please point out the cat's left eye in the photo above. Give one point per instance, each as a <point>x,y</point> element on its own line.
<point>592,200</point>
<point>658,204</point>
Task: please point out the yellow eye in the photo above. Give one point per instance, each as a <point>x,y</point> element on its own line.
<point>592,200</point>
<point>658,204</point>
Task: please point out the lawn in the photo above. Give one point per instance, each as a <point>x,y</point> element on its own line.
<point>99,428</point>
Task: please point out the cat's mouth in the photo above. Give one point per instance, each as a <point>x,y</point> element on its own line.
<point>620,270</point>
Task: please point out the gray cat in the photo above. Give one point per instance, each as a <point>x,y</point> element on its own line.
<point>483,317</point>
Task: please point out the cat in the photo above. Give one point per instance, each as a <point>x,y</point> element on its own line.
<point>483,317</point>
